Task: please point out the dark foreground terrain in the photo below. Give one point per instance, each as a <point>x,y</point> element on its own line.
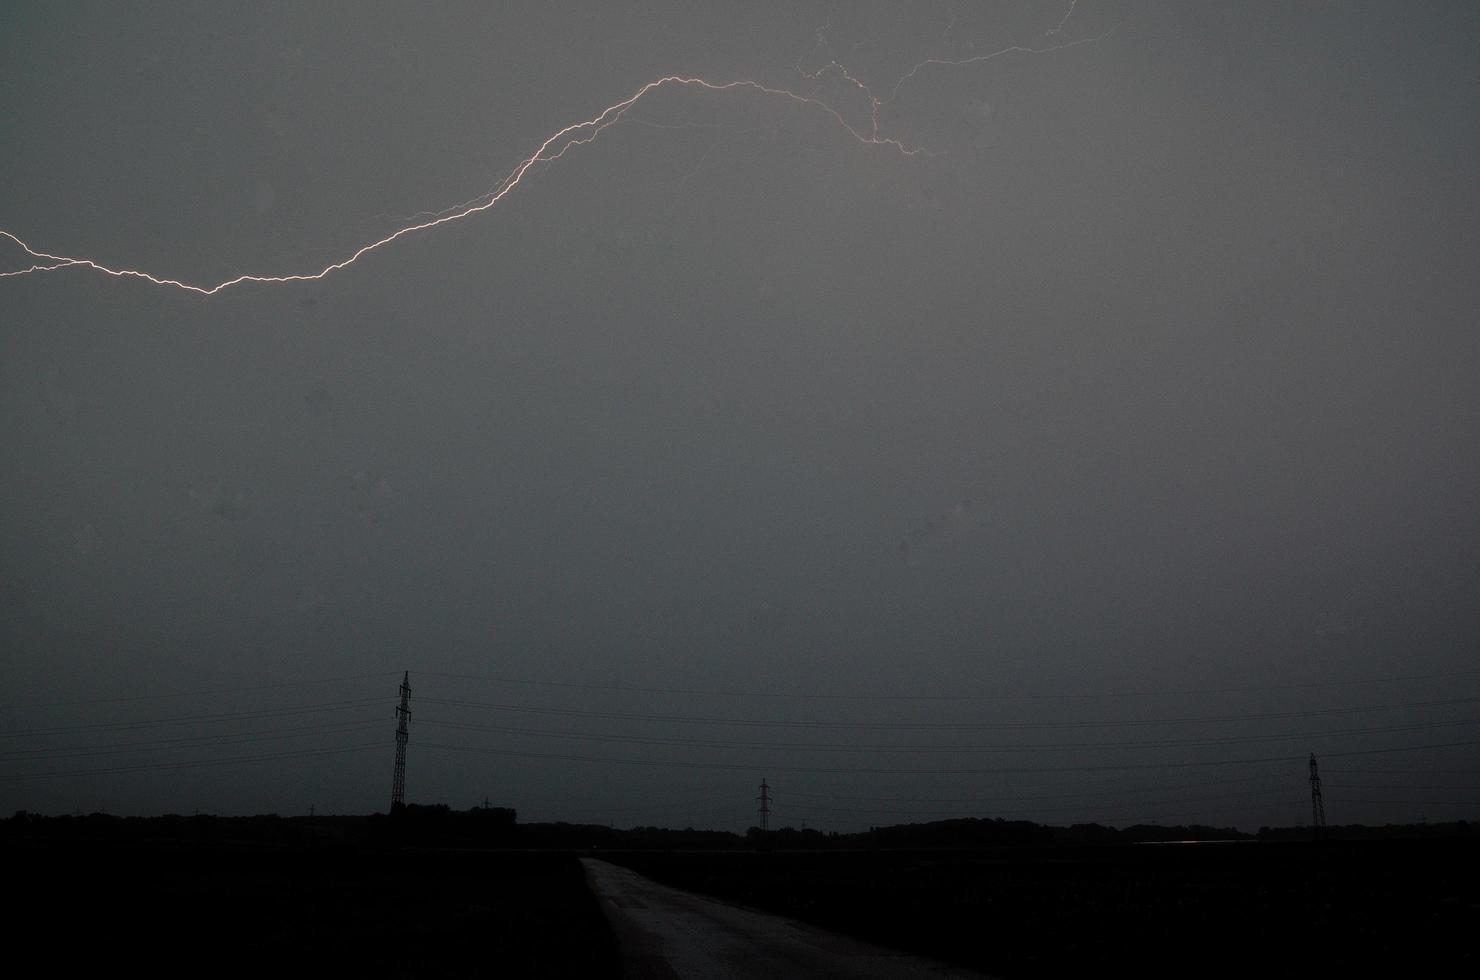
<point>437,893</point>
<point>1336,908</point>
<point>101,909</point>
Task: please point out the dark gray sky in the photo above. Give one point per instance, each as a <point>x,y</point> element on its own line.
<point>1142,411</point>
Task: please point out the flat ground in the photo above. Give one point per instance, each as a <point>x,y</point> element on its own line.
<point>668,933</point>
<point>93,910</point>
<point>1355,908</point>
<point>1358,908</point>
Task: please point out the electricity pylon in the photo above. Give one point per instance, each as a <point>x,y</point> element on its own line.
<point>403,714</point>
<point>1317,807</point>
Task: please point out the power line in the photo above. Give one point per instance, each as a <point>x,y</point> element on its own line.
<point>977,800</point>
<point>1020,747</point>
<point>235,738</point>
<point>1075,808</point>
<point>1474,803</point>
<point>706,801</point>
<point>881,770</point>
<point>946,726</point>
<point>196,764</point>
<point>188,719</point>
<point>1346,786</point>
<point>815,696</point>
<point>787,695</point>
<point>197,694</point>
<point>1088,799</point>
<point>1406,772</point>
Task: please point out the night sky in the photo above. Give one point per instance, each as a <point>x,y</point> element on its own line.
<point>1101,461</point>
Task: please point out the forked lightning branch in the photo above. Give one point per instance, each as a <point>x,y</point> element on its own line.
<point>36,260</point>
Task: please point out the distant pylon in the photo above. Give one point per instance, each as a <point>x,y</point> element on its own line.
<point>765,806</point>
<point>1317,807</point>
<point>403,713</point>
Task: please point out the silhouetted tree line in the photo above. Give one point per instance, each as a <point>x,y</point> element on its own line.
<point>497,827</point>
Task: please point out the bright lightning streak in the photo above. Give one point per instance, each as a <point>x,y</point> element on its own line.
<point>978,59</point>
<point>1067,14</point>
<point>553,148</point>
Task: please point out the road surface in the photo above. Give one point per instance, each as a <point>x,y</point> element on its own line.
<point>666,933</point>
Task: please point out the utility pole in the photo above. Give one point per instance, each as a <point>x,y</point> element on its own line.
<point>765,806</point>
<point>1317,807</point>
<point>403,714</point>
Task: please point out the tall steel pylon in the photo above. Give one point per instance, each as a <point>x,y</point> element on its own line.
<point>403,714</point>
<point>1317,806</point>
<point>765,806</point>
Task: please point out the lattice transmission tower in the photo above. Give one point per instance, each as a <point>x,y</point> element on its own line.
<point>764,810</point>
<point>403,714</point>
<point>1317,806</point>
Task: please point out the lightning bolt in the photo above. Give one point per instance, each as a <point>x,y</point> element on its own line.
<point>877,104</point>
<point>556,146</point>
<point>1067,14</point>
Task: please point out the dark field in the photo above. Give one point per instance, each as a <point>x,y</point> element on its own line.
<point>1337,908</point>
<point>262,898</point>
<point>207,911</point>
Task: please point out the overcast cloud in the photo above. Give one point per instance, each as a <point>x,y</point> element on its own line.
<point>1157,374</point>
